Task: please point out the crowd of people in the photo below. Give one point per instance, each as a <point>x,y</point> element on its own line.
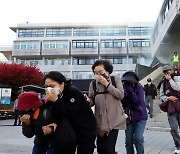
<point>64,123</point>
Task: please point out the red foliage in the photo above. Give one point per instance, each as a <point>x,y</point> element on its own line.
<point>16,75</point>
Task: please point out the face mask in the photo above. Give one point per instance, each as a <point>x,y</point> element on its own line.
<point>56,90</point>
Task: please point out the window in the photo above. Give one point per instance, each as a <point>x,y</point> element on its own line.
<point>26,45</point>
<point>58,32</point>
<point>84,44</point>
<point>86,32</point>
<point>116,31</point>
<point>134,31</point>
<point>116,60</point>
<point>31,33</point>
<point>83,61</point>
<point>55,44</point>
<point>139,43</point>
<point>113,43</point>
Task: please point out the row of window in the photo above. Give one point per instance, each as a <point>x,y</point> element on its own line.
<point>62,44</point>
<point>166,9</point>
<point>79,61</point>
<point>116,31</point>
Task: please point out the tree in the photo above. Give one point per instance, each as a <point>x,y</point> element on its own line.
<point>17,75</point>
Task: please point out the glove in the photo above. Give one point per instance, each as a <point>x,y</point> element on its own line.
<point>128,88</point>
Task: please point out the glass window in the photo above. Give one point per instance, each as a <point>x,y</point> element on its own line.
<point>135,31</point>
<point>116,31</point>
<point>139,43</point>
<point>86,32</point>
<point>31,33</point>
<point>58,32</point>
<point>55,44</point>
<point>84,43</point>
<point>113,43</point>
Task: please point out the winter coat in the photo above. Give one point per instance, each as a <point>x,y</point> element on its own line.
<point>108,108</point>
<point>135,102</point>
<point>35,127</point>
<point>73,106</point>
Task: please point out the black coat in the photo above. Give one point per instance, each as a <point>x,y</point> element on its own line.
<point>74,107</point>
<point>35,127</point>
<point>150,90</point>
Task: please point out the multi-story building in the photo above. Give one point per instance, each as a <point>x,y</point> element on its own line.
<point>73,48</point>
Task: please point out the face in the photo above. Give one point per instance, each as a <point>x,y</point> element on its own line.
<point>168,72</point>
<point>54,84</point>
<point>99,70</point>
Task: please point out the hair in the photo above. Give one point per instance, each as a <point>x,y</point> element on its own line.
<point>106,63</point>
<point>56,76</point>
<point>149,80</point>
<point>131,73</point>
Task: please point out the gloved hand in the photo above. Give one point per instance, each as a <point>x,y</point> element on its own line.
<point>128,88</point>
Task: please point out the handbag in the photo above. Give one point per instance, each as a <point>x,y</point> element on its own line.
<point>164,106</point>
<point>66,135</point>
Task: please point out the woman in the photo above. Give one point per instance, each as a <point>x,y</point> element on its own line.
<point>37,120</point>
<point>71,104</point>
<point>135,108</point>
<point>108,109</point>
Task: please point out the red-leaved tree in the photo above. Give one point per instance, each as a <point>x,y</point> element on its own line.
<point>17,75</point>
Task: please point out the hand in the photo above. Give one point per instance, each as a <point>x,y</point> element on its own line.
<point>25,118</point>
<point>47,130</point>
<point>87,98</point>
<point>173,98</point>
<point>102,80</point>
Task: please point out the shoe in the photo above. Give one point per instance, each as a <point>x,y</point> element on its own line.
<point>151,116</point>
<point>19,124</point>
<point>177,152</point>
<point>14,124</point>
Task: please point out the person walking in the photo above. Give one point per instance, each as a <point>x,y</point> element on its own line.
<point>106,93</point>
<point>16,114</point>
<point>150,95</point>
<point>69,103</point>
<point>134,106</point>
<point>37,120</point>
<point>172,97</point>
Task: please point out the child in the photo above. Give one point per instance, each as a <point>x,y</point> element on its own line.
<point>37,119</point>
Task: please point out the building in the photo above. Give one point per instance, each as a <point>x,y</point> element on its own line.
<point>73,48</point>
<point>166,32</point>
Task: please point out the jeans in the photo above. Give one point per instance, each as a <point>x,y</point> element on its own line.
<point>134,135</point>
<point>149,104</point>
<point>174,122</point>
<point>44,149</point>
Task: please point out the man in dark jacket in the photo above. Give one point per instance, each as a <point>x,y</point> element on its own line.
<point>150,94</point>
<point>172,97</point>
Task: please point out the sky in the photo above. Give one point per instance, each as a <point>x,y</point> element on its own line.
<point>13,12</point>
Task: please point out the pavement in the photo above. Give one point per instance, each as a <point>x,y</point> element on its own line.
<point>13,142</point>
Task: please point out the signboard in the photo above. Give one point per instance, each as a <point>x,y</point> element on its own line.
<point>5,95</point>
<point>6,92</point>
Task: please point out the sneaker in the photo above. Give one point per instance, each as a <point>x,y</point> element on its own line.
<point>177,152</point>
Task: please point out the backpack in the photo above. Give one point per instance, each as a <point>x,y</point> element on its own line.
<point>104,92</point>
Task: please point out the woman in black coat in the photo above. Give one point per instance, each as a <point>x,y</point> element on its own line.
<point>68,102</point>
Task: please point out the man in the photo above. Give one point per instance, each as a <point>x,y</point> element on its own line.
<point>167,94</point>
<point>150,94</point>
<point>175,61</point>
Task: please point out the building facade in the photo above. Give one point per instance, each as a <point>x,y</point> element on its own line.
<point>73,48</point>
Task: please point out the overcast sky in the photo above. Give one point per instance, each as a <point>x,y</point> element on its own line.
<point>13,12</point>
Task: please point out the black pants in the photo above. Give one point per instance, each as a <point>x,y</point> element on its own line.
<point>16,117</point>
<point>82,148</point>
<point>107,143</point>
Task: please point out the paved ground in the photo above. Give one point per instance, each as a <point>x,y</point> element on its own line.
<point>13,142</point>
